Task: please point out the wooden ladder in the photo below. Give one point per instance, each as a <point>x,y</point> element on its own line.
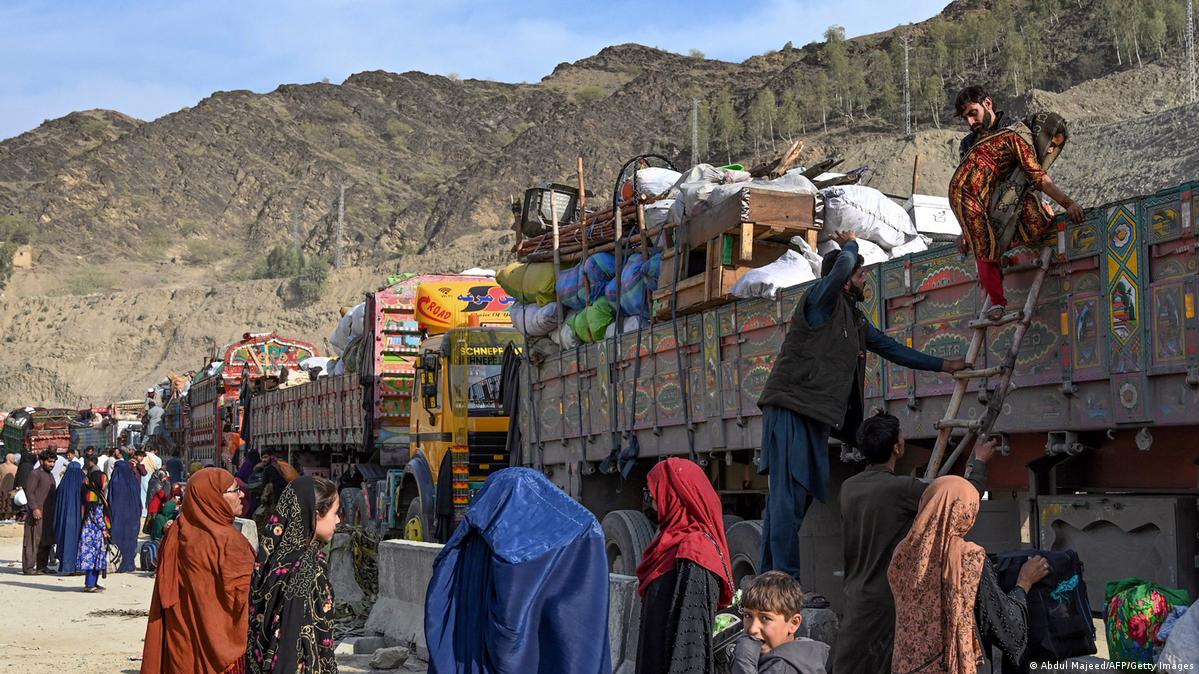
<point>982,425</point>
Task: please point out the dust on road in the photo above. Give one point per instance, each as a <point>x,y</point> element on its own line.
<point>51,625</point>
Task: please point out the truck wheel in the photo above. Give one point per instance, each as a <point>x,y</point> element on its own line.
<point>745,547</point>
<point>416,523</point>
<point>729,521</point>
<point>626,535</point>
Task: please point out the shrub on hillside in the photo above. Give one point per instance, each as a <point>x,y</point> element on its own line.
<point>309,283</point>
<point>206,251</point>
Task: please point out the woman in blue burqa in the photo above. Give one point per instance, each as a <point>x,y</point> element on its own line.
<point>126,506</point>
<point>522,585</point>
<point>68,519</point>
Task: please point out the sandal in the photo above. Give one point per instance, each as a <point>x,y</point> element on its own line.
<point>90,589</point>
<point>996,312</point>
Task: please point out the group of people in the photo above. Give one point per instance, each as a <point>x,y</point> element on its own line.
<point>87,511</point>
<point>217,608</point>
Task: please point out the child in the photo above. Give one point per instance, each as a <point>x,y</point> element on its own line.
<point>771,610</point>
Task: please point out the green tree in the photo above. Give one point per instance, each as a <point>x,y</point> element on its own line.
<point>886,83</point>
<point>788,114</point>
<point>15,230</point>
<point>1014,56</point>
<point>7,251</point>
<point>704,129</point>
<point>837,57</point>
<point>726,126</point>
<point>761,118</point>
<point>310,283</point>
<point>281,262</point>
<point>1156,31</point>
<point>821,95</point>
<point>932,97</point>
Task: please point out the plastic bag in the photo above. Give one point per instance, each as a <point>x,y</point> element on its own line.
<point>654,181</point>
<point>866,212</point>
<point>638,280</point>
<point>565,336</point>
<point>531,283</point>
<point>789,270</point>
<point>600,268</point>
<point>569,289</point>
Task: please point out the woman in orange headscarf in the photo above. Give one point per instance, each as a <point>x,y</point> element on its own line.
<point>946,592</point>
<point>198,616</point>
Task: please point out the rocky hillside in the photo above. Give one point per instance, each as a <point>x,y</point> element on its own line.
<point>145,231</point>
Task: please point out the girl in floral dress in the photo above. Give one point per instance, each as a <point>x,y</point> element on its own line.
<point>97,523</point>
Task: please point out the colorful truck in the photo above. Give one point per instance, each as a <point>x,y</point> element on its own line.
<point>33,429</point>
<point>1099,454</point>
<point>360,418</point>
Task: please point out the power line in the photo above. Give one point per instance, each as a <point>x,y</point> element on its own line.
<point>694,131</point>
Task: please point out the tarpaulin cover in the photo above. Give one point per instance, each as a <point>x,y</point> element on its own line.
<point>638,281</point>
<point>522,585</point>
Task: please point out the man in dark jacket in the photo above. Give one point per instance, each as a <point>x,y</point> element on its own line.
<point>816,389</point>
<point>39,524</point>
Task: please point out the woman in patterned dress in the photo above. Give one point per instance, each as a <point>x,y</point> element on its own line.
<point>97,523</point>
<point>990,156</point>
<point>291,601</point>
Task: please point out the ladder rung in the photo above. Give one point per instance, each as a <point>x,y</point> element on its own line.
<point>968,424</point>
<point>986,372</point>
<point>988,323</point>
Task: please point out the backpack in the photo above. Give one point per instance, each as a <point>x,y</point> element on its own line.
<point>148,556</point>
<point>1059,613</point>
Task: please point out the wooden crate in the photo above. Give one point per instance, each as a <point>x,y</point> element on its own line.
<point>713,286</point>
<point>755,214</point>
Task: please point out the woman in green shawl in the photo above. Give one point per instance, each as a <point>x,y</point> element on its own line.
<point>170,510</point>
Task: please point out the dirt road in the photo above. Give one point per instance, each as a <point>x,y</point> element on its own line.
<point>52,626</point>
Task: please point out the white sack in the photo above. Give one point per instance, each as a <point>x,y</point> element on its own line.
<point>814,259</point>
<point>657,213</point>
<point>654,181</point>
<point>789,270</point>
<point>350,327</point>
<point>630,324</point>
<point>867,213</point>
<point>478,271</point>
<point>827,246</point>
<point>918,244</point>
<point>565,337</point>
<point>871,252</point>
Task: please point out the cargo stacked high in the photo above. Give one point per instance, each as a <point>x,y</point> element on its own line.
<point>670,359</point>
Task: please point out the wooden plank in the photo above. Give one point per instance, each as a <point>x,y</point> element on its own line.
<point>745,251</point>
<point>781,208</point>
<point>811,235</point>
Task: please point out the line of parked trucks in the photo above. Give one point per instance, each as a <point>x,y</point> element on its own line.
<point>1100,453</point>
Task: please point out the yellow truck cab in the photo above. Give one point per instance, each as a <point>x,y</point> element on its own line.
<point>458,431</point>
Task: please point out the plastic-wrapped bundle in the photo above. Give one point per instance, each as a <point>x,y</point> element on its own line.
<point>569,288</point>
<point>638,280</point>
<point>350,327</point>
<point>600,268</point>
<point>565,336</point>
<point>534,321</point>
<point>590,323</point>
<point>531,283</point>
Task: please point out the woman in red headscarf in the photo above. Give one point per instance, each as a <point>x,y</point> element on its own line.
<point>685,574</point>
<point>199,613</point>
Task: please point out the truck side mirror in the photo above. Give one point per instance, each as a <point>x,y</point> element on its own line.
<point>429,366</point>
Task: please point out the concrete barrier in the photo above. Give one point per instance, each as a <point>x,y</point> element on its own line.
<point>249,529</point>
<point>405,569</point>
<point>341,571</point>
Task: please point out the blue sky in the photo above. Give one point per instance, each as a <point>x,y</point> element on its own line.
<point>147,59</point>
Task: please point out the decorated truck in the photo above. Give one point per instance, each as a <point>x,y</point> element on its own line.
<point>358,418</point>
<point>1099,453</point>
<point>33,429</point>
<point>213,408</point>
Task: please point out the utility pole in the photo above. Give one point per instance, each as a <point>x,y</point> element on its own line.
<point>906,41</point>
<point>1192,93</point>
<point>341,217</point>
<point>694,131</point>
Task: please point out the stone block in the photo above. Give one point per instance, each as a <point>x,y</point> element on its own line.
<point>624,621</point>
<point>405,569</point>
<point>390,658</point>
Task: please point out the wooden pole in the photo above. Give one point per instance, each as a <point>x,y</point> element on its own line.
<point>916,174</point>
<point>557,253</point>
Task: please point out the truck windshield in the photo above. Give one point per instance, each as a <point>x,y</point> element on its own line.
<point>479,355</point>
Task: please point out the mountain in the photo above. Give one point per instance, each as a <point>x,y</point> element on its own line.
<point>147,231</point>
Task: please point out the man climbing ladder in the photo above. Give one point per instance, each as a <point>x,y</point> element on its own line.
<point>996,204</point>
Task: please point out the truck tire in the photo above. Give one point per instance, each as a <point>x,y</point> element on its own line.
<point>729,521</point>
<point>626,535</point>
<point>416,523</point>
<point>745,547</point>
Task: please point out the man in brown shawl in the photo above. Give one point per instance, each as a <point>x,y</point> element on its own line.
<point>39,525</point>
